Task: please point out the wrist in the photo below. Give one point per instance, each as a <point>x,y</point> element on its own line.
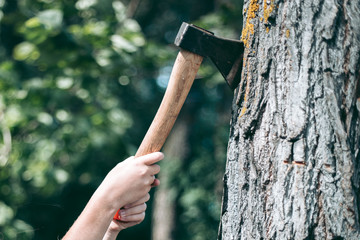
<point>110,235</point>
<point>112,231</point>
<point>108,199</point>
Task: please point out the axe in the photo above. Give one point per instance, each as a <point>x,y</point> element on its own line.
<point>195,43</point>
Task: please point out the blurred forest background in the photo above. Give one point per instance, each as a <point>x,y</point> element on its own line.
<point>80,82</point>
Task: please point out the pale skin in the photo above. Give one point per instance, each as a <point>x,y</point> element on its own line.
<point>130,215</point>
<point>125,187</point>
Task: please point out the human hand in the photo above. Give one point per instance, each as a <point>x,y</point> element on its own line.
<point>129,216</point>
<point>124,187</point>
<point>130,180</point>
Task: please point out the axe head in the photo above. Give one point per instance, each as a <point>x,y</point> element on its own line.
<point>226,54</point>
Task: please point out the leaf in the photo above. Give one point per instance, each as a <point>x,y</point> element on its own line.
<point>26,51</point>
<point>51,19</point>
<point>6,213</point>
<point>120,43</point>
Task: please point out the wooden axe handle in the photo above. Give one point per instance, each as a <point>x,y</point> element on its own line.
<point>181,79</point>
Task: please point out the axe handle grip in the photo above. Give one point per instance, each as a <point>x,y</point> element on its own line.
<point>181,79</point>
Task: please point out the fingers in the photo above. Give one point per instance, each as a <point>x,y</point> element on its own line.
<point>150,161</point>
<point>155,183</point>
<point>136,218</point>
<point>138,202</point>
<point>154,169</point>
<point>133,214</point>
<point>151,158</point>
<point>133,210</point>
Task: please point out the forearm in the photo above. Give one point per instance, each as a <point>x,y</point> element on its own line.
<point>110,235</point>
<point>93,222</point>
<point>128,182</point>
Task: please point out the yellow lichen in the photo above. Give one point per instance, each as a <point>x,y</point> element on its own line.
<point>248,29</point>
<point>244,108</point>
<point>287,33</point>
<point>268,9</point>
<point>247,91</point>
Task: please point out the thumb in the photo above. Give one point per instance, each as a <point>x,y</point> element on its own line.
<point>151,158</point>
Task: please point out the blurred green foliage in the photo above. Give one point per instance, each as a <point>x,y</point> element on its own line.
<point>80,82</point>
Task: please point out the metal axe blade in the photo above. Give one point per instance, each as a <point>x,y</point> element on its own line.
<point>226,54</point>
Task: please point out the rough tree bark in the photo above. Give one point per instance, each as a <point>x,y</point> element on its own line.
<point>293,155</point>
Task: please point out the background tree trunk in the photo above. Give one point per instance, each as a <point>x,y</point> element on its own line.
<point>293,156</point>
<point>164,220</point>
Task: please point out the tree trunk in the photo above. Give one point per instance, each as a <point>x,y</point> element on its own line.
<point>293,155</point>
<point>164,220</point>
